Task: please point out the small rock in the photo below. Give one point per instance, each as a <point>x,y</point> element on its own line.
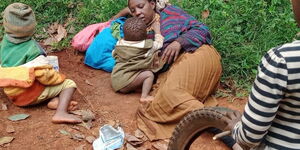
<point>111,122</point>
<point>6,140</point>
<point>64,132</point>
<point>75,128</point>
<point>133,140</point>
<point>77,136</point>
<point>88,125</point>
<point>10,129</point>
<point>18,117</point>
<point>77,112</point>
<point>88,115</point>
<point>118,123</point>
<point>89,83</point>
<point>3,107</point>
<point>90,139</point>
<point>139,134</point>
<point>160,145</point>
<point>81,147</point>
<point>130,147</point>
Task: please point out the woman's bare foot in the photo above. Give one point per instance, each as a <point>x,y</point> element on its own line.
<point>61,117</point>
<point>146,99</point>
<point>54,103</point>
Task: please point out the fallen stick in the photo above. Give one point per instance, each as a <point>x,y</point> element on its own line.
<point>85,100</point>
<point>217,136</point>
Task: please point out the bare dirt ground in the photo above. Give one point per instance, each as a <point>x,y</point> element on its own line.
<point>38,133</point>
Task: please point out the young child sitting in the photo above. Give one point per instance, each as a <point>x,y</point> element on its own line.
<point>25,74</point>
<point>136,58</point>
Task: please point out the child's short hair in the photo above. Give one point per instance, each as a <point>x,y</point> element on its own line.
<point>135,29</point>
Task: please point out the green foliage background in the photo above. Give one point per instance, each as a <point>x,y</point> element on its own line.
<point>243,30</point>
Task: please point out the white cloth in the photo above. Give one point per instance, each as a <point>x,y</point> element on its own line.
<point>39,61</point>
<point>161,4</point>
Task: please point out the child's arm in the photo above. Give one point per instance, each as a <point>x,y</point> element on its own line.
<point>158,38</point>
<point>124,12</point>
<point>158,42</point>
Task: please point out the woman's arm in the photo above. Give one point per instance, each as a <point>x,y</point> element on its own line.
<point>186,32</point>
<point>124,12</point>
<point>196,35</point>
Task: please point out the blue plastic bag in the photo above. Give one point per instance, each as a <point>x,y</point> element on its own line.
<point>99,53</point>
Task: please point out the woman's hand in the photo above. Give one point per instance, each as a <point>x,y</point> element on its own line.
<point>171,52</point>
<point>231,119</point>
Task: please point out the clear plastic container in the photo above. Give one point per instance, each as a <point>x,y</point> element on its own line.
<point>53,60</point>
<point>110,138</point>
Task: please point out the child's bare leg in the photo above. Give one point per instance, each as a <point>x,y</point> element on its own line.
<point>53,103</point>
<point>144,79</point>
<point>61,115</point>
<point>147,85</point>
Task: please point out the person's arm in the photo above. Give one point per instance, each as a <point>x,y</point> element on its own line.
<point>296,8</point>
<point>267,91</point>
<point>195,36</point>
<point>192,33</point>
<point>124,12</point>
<point>158,38</point>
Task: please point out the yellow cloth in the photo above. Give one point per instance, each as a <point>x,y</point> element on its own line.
<point>187,86</point>
<point>16,77</point>
<point>53,91</point>
<point>46,75</point>
<point>20,87</point>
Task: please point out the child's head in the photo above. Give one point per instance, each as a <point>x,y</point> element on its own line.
<point>19,20</point>
<point>135,29</point>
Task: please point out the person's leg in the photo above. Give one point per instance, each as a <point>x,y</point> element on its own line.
<point>147,85</point>
<point>144,80</point>
<point>53,104</point>
<point>61,115</point>
<point>52,93</point>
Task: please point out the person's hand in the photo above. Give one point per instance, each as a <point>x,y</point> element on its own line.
<point>156,27</point>
<point>231,119</point>
<point>171,52</point>
<point>114,17</point>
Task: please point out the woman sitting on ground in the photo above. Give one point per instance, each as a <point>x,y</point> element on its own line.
<point>194,67</point>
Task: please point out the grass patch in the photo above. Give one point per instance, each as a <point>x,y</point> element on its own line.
<point>243,30</point>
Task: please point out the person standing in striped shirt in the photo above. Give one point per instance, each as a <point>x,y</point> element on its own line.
<point>271,119</point>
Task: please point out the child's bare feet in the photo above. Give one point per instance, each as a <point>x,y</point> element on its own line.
<point>54,103</point>
<point>61,117</point>
<point>146,99</point>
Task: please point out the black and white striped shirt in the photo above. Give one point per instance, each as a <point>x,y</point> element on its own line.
<point>272,114</point>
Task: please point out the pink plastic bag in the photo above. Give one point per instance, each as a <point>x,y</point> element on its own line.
<point>82,40</point>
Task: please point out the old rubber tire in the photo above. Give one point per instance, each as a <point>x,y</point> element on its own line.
<point>194,123</point>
